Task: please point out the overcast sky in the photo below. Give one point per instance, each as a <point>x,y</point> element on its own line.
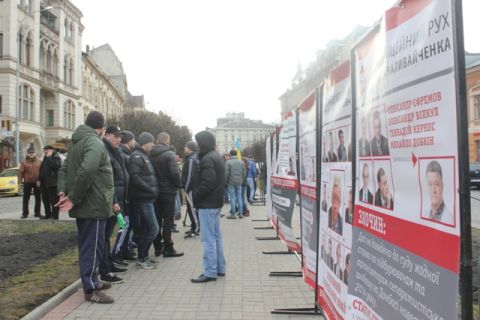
<point>197,60</point>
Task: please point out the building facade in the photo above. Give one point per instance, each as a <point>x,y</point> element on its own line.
<point>235,131</point>
<point>472,65</point>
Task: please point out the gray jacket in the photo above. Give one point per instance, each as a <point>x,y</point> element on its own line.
<point>234,172</point>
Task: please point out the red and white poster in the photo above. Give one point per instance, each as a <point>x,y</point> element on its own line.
<point>336,202</point>
<point>269,165</point>
<point>307,158</point>
<point>406,235</point>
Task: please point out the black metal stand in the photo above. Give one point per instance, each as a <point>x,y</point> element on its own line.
<point>298,311</point>
<point>278,252</point>
<point>258,220</point>
<point>267,238</point>
<point>263,228</point>
<point>286,274</point>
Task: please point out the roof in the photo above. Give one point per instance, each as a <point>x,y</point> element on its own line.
<point>472,60</point>
<point>245,124</point>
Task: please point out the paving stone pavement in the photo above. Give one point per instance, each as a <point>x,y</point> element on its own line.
<point>247,291</point>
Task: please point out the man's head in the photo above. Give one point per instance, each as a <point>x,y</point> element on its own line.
<point>163,138</point>
<point>31,152</point>
<point>190,147</point>
<point>128,139</point>
<point>435,183</point>
<point>365,175</point>
<point>382,183</point>
<point>48,150</point>
<point>341,137</point>
<point>376,125</point>
<point>339,252</point>
<point>226,156</point>
<point>113,135</point>
<point>336,200</point>
<point>233,153</point>
<point>146,141</point>
<point>95,120</point>
<point>206,141</point>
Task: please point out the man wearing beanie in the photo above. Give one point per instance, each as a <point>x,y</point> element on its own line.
<point>127,144</point>
<point>143,192</point>
<point>208,196</point>
<point>235,173</point>
<point>168,178</point>
<point>85,189</point>
<point>189,179</point>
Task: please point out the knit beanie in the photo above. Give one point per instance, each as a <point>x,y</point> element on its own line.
<point>144,138</point>
<point>192,145</point>
<point>127,136</point>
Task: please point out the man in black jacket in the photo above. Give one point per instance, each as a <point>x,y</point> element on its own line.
<point>143,192</point>
<point>168,178</point>
<point>208,195</point>
<point>48,181</point>
<point>189,179</point>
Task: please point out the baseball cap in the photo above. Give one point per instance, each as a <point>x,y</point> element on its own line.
<point>48,147</point>
<point>113,130</point>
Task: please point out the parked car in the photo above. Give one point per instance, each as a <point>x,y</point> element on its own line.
<point>475,174</point>
<point>9,182</point>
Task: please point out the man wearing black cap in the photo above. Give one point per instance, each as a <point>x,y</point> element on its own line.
<point>127,144</point>
<point>189,179</point>
<point>85,186</point>
<point>28,175</point>
<point>48,181</point>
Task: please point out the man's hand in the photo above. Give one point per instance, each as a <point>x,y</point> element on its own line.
<point>116,208</point>
<point>38,184</point>
<point>64,203</point>
<point>121,221</point>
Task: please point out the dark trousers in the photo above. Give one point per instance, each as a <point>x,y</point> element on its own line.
<point>106,263</point>
<point>147,225</point>
<point>91,245</point>
<point>49,199</point>
<point>164,210</point>
<point>27,191</point>
<point>193,215</point>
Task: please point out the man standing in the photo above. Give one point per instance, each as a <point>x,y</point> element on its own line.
<point>234,176</point>
<point>189,180</point>
<point>342,151</point>
<point>28,175</point>
<point>383,197</point>
<point>166,169</point>
<point>251,175</point>
<point>127,143</point>
<point>143,191</point>
<point>208,195</point>
<point>48,181</point>
<point>364,194</point>
<point>85,186</point>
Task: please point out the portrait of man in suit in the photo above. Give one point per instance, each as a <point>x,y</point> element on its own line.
<point>346,271</point>
<point>332,157</point>
<point>363,143</point>
<point>337,269</point>
<point>364,194</point>
<point>349,210</point>
<point>341,151</point>
<point>330,255</point>
<point>335,221</point>
<point>383,197</point>
<point>437,210</point>
<point>324,201</point>
<point>379,142</point>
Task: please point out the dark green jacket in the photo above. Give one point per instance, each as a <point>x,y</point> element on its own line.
<point>86,176</point>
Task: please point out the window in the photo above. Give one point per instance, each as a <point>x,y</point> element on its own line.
<point>26,102</point>
<point>20,41</point>
<point>50,118</point>
<point>1,44</point>
<point>1,108</point>
<point>69,115</point>
<point>28,50</point>
<point>476,107</point>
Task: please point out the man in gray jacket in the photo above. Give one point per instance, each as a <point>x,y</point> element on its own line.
<point>234,176</point>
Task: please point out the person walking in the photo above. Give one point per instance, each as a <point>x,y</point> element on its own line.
<point>251,176</point>
<point>143,192</point>
<point>168,178</point>
<point>85,189</point>
<point>189,179</point>
<point>234,176</point>
<point>48,181</point>
<point>208,195</point>
<point>28,175</point>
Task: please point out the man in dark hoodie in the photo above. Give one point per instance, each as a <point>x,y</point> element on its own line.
<point>48,181</point>
<point>208,195</point>
<point>85,186</point>
<point>189,179</point>
<point>144,191</point>
<point>168,178</point>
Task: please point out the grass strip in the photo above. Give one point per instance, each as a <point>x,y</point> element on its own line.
<point>11,227</point>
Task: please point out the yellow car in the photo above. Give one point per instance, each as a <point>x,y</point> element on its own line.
<point>9,182</point>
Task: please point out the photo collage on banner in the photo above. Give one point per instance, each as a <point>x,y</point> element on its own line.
<point>285,184</point>
<point>336,206</point>
<point>268,198</point>
<point>307,158</point>
<point>273,216</point>
<point>406,235</point>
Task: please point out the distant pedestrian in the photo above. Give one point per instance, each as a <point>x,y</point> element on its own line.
<point>189,179</point>
<point>208,195</point>
<point>235,173</point>
<point>144,191</point>
<point>85,186</point>
<point>166,169</point>
<point>48,181</point>
<point>28,175</point>
<point>251,176</point>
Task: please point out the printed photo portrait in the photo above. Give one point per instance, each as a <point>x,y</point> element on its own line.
<point>438,189</point>
<point>335,219</point>
<point>331,151</point>
<point>337,266</point>
<point>365,191</point>
<point>364,149</point>
<point>379,142</point>
<point>346,271</point>
<point>349,207</point>
<point>384,194</point>
<point>324,205</point>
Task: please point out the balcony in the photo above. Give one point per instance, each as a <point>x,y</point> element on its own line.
<point>49,31</point>
<point>49,80</point>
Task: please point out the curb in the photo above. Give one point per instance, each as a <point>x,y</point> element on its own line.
<point>54,301</point>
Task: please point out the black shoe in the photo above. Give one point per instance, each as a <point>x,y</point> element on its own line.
<point>172,254</point>
<point>202,278</point>
<point>119,263</point>
<point>221,274</point>
<point>37,215</point>
<point>44,217</point>
<point>192,235</point>
<point>118,270</point>
<point>111,278</point>
<point>130,256</point>
<point>175,230</point>
<point>23,217</point>
<point>159,251</point>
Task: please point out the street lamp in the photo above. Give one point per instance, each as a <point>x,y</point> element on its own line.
<point>17,113</point>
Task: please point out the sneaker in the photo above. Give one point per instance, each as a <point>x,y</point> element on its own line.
<point>172,253</point>
<point>98,297</point>
<point>111,278</point>
<point>146,264</point>
<point>240,216</point>
<point>118,270</point>
<point>153,260</point>
<point>119,263</point>
<point>174,230</point>
<point>232,217</point>
<point>23,217</point>
<point>104,286</point>
<point>130,256</point>
<point>192,235</point>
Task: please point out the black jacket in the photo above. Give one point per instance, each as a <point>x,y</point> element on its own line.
<point>49,170</point>
<point>166,169</point>
<point>208,192</point>
<point>120,173</point>
<point>190,172</point>
<point>126,152</point>
<point>143,183</point>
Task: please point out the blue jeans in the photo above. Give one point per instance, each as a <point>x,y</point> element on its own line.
<point>145,212</point>
<point>235,194</point>
<point>212,242</point>
<point>244,201</point>
<point>251,185</point>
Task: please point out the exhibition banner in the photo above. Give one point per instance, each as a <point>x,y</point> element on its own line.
<point>285,184</point>
<point>275,135</point>
<point>268,194</point>
<point>307,158</point>
<point>406,235</point>
<point>336,206</point>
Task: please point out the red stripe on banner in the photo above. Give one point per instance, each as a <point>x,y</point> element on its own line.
<point>307,104</point>
<point>308,192</point>
<point>341,72</point>
<point>284,183</point>
<point>327,305</point>
<point>404,11</point>
<point>440,248</point>
<point>309,276</point>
